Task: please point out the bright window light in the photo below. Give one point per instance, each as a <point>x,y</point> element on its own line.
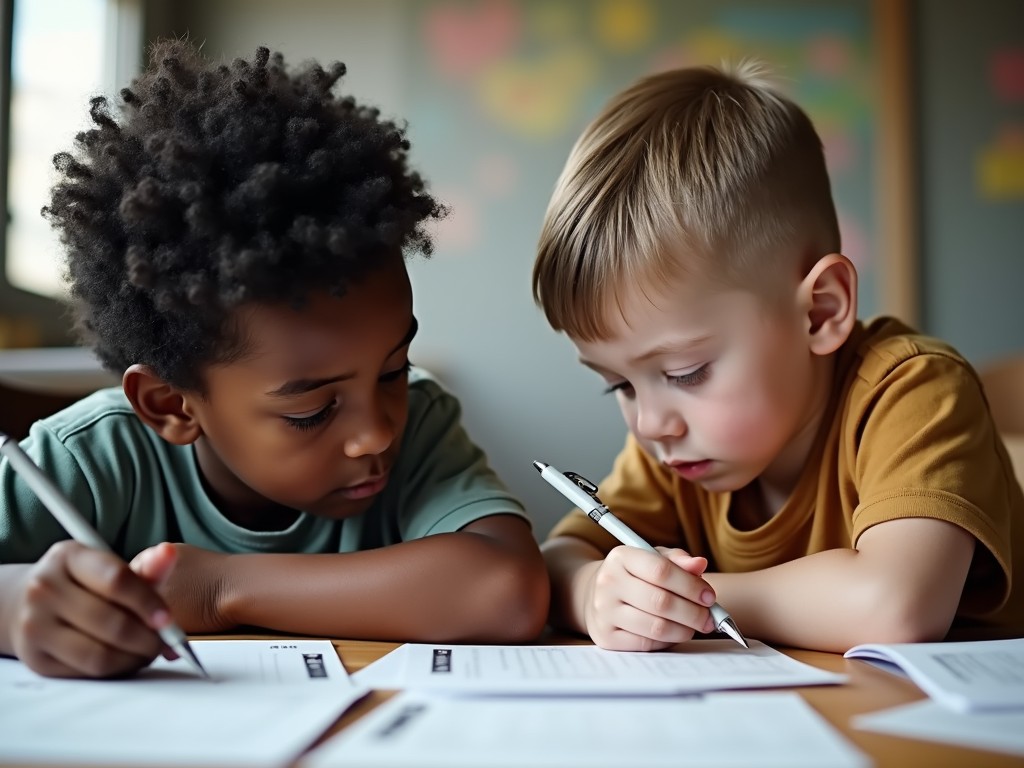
<point>63,52</point>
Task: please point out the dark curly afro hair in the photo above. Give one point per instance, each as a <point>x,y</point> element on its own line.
<point>218,186</point>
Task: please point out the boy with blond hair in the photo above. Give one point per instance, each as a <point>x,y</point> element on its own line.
<point>829,482</point>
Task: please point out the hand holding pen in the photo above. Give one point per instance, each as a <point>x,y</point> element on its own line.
<point>81,610</point>
<point>583,493</point>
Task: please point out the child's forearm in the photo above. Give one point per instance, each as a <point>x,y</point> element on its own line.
<point>450,587</point>
<point>833,600</point>
<point>569,562</point>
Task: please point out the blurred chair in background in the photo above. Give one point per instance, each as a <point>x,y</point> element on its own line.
<point>35,383</point>
<point>1003,381</point>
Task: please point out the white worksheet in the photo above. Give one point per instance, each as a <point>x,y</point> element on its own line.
<point>423,730</point>
<point>983,675</point>
<point>702,665</point>
<point>1000,731</point>
<point>267,702</point>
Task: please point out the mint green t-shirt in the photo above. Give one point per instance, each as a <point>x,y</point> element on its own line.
<point>138,490</point>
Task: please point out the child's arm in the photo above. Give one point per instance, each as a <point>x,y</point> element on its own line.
<point>79,612</point>
<point>484,583</point>
<point>902,583</point>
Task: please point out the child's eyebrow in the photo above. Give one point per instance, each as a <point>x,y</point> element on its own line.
<point>676,345</point>
<point>301,386</point>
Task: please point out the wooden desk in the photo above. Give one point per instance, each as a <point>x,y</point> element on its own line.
<point>868,689</point>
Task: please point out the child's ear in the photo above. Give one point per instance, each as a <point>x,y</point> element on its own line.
<point>164,408</point>
<point>828,300</point>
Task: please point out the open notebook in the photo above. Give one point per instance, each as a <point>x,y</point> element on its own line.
<point>980,676</point>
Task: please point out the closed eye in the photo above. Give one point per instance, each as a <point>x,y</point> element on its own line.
<point>395,375</point>
<point>304,423</point>
<point>691,379</point>
<point>623,386</point>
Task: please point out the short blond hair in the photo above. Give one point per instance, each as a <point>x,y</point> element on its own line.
<point>692,171</point>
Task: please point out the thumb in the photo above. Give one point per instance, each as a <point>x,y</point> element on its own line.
<point>156,563</point>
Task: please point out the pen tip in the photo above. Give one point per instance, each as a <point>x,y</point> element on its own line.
<point>540,466</point>
<point>729,627</point>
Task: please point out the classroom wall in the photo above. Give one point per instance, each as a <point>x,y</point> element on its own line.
<point>971,128</point>
<point>496,91</point>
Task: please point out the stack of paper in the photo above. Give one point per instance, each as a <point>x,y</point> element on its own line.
<point>735,729</point>
<point>268,701</point>
<point>470,705</point>
<point>976,690</point>
<point>703,665</point>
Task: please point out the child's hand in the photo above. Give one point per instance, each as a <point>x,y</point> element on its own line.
<point>194,591</point>
<point>639,601</point>
<point>84,613</point>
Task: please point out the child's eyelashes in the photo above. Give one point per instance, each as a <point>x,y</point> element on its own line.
<point>396,374</point>
<point>623,386</point>
<point>304,423</point>
<point>691,379</point>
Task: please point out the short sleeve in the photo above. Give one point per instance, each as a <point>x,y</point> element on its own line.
<point>27,529</point>
<point>928,448</point>
<point>640,494</point>
<point>446,481</point>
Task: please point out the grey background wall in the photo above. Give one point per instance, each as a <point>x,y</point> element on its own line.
<point>971,128</point>
<point>524,395</point>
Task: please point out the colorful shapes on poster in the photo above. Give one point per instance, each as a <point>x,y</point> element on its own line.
<point>829,56</point>
<point>1006,70</point>
<point>999,167</point>
<point>460,39</point>
<point>623,25</point>
<point>537,98</point>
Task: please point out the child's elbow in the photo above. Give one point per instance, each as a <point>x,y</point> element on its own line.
<point>518,600</point>
<point>892,620</point>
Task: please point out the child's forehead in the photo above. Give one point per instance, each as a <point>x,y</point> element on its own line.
<point>381,300</point>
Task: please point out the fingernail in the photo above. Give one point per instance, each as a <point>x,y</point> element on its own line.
<point>707,597</point>
<point>159,619</point>
<point>709,625</point>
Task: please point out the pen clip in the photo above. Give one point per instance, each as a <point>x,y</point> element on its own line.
<point>583,483</point>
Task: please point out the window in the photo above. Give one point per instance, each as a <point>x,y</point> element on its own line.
<point>62,53</point>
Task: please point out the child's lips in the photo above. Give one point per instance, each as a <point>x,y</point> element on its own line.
<point>691,470</point>
<point>371,486</point>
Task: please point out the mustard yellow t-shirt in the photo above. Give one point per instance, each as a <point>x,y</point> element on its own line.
<point>907,434</point>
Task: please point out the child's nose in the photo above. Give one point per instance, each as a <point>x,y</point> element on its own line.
<point>372,433</point>
<point>658,421</point>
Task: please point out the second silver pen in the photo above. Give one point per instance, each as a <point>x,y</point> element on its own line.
<point>600,514</point>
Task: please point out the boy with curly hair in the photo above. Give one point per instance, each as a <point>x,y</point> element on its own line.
<point>829,482</point>
<point>235,246</point>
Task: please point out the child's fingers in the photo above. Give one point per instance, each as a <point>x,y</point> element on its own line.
<point>110,578</point>
<point>105,622</point>
<point>690,563</point>
<point>660,614</point>
<point>82,656</point>
<point>621,640</point>
<point>663,572</point>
